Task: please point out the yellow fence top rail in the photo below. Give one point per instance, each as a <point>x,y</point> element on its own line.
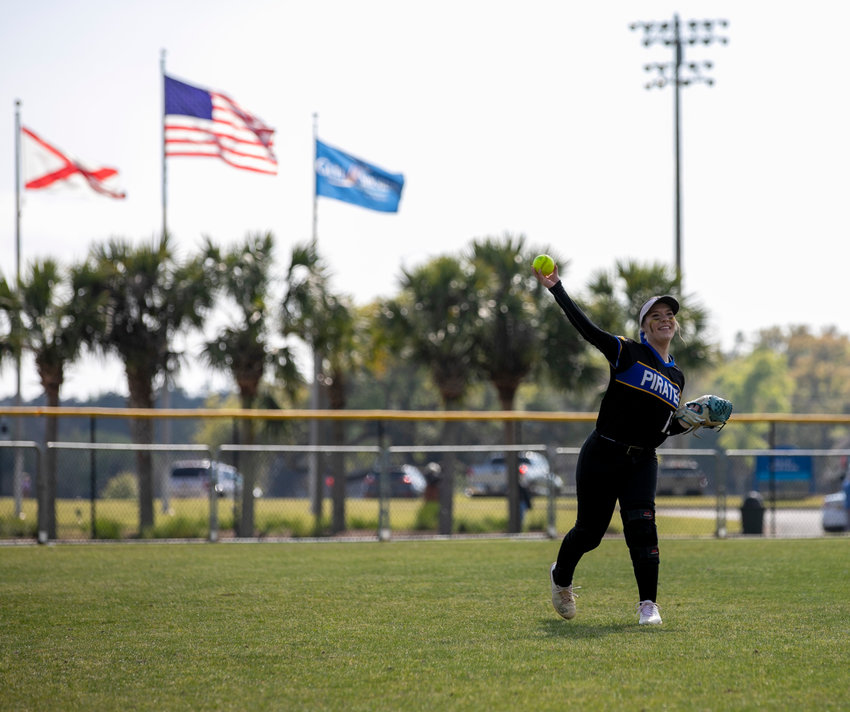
<point>308,414</point>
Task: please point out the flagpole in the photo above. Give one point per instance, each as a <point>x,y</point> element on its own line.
<point>315,192</point>
<point>19,465</point>
<point>164,169</point>
<point>165,396</point>
<point>315,480</point>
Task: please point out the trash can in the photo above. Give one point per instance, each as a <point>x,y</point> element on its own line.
<point>752,514</point>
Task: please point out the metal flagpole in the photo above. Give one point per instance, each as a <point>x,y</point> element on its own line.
<point>315,178</point>
<point>164,173</point>
<point>165,398</point>
<point>19,464</point>
<point>315,480</point>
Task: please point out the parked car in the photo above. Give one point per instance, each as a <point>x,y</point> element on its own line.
<point>353,483</point>
<point>680,478</point>
<point>404,481</point>
<point>229,481</point>
<point>491,478</point>
<point>193,478</point>
<point>834,513</point>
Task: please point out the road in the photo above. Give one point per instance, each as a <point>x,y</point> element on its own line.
<point>787,522</point>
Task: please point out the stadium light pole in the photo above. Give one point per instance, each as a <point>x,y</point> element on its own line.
<point>679,73</point>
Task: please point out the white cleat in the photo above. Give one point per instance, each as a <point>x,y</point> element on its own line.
<point>563,598</point>
<point>648,613</point>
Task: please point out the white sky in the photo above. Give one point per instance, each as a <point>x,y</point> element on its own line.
<point>525,117</point>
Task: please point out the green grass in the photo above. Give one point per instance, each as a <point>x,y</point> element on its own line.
<point>420,625</point>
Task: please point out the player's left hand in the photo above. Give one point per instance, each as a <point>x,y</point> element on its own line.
<point>689,418</point>
<point>714,410</point>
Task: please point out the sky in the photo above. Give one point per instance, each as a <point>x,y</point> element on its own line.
<point>525,118</point>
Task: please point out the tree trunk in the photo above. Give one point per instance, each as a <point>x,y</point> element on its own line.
<point>507,391</point>
<point>139,382</point>
<point>249,475</point>
<point>51,426</point>
<point>452,385</point>
<point>447,480</point>
<point>337,401</point>
<point>340,480</point>
<point>51,376</point>
<point>512,471</point>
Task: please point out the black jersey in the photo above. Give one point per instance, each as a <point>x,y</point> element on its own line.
<point>643,389</point>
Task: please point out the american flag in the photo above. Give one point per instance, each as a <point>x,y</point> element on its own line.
<point>208,123</point>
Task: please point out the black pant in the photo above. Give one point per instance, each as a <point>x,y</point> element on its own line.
<point>607,472</point>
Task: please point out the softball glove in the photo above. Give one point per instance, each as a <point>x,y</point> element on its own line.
<point>713,410</point>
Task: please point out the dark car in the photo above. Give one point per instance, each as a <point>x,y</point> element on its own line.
<point>405,481</point>
<point>681,477</point>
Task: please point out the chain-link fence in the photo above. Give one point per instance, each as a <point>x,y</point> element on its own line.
<point>97,492</point>
<point>20,505</point>
<point>88,490</point>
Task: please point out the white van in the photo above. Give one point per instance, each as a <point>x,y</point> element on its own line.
<point>193,478</point>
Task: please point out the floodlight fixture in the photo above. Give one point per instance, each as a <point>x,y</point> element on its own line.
<point>680,74</point>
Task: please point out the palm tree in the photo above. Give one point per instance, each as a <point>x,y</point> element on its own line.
<point>330,324</point>
<point>435,322</point>
<point>56,325</point>
<point>10,348</point>
<point>149,297</point>
<point>8,311</point>
<point>508,338</point>
<point>9,318</point>
<point>243,347</point>
<point>616,298</point>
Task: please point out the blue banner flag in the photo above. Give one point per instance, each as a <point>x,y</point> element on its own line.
<point>346,178</point>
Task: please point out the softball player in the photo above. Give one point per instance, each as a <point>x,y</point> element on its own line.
<point>639,410</point>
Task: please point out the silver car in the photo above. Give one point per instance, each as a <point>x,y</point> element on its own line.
<point>193,478</point>
<point>491,478</point>
<point>834,513</point>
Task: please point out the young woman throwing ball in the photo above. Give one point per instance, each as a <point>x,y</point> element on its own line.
<point>617,462</point>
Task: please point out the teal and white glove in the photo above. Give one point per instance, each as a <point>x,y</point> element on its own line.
<point>688,417</point>
<point>705,412</point>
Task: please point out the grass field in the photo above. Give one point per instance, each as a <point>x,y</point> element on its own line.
<point>420,625</point>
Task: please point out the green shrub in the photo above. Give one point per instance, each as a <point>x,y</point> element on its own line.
<point>124,485</point>
<point>536,523</point>
<point>108,528</point>
<point>17,527</point>
<point>179,527</point>
<point>427,517</point>
<point>481,526</point>
<point>361,523</point>
<point>285,527</point>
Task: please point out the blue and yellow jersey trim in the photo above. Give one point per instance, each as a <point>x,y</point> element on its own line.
<point>650,381</point>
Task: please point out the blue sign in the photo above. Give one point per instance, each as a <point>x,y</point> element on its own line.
<point>784,468</point>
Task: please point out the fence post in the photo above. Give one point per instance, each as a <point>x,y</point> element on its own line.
<point>43,503</point>
<point>551,525</point>
<point>384,532</point>
<point>214,496</point>
<point>721,468</point>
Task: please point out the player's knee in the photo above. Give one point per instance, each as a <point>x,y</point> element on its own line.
<point>641,534</point>
<point>586,539</point>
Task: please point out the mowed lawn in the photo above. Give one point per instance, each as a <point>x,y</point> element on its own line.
<point>749,624</point>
